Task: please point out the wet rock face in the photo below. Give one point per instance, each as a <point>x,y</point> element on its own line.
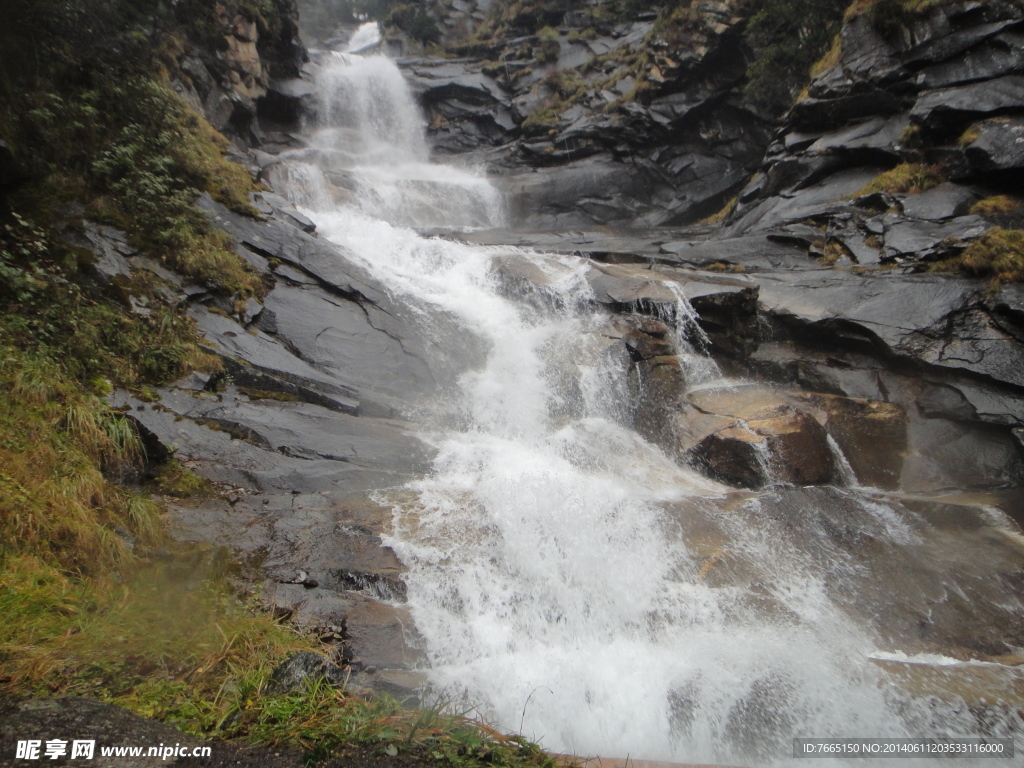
<point>308,413</point>
<point>871,435</point>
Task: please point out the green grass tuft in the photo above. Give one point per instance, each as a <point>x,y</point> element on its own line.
<point>997,255</point>
<point>996,204</point>
<point>908,178</point>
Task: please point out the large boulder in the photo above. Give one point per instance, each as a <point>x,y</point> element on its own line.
<point>785,446</point>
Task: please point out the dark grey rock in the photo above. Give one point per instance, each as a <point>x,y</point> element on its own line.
<point>920,239</point>
<point>824,114</point>
<point>939,401</point>
<point>930,318</point>
<point>753,253</point>
<point>877,135</point>
<point>286,101</point>
<point>628,285</point>
<point>952,106</point>
<point>233,443</point>
<point>957,454</point>
<point>943,202</point>
<point>999,145</point>
<point>110,246</point>
<point>1003,54</point>
<point>302,669</point>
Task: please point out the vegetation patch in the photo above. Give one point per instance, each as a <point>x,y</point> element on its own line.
<point>998,255</point>
<point>548,47</point>
<point>414,20</point>
<point>969,136</point>
<point>92,116</point>
<point>906,178</point>
<point>566,88</point>
<point>830,59</point>
<point>833,252</point>
<point>173,479</point>
<point>720,216</point>
<point>788,37</point>
<point>997,204</point>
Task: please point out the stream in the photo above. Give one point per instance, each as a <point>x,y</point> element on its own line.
<point>571,580</point>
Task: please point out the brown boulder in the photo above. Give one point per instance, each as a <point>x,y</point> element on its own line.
<point>786,446</point>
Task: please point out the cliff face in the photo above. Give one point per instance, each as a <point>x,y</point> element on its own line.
<point>653,113</point>
<point>938,92</point>
<point>644,113</point>
<point>229,73</point>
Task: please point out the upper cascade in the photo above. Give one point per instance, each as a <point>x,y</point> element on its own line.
<point>368,150</point>
<point>365,37</point>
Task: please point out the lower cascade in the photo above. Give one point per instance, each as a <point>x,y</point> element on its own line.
<point>570,578</point>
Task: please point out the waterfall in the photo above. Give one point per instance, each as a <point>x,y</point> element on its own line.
<point>567,576</point>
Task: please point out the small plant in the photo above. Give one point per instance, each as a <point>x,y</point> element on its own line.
<point>908,178</point>
<point>834,251</point>
<point>173,479</point>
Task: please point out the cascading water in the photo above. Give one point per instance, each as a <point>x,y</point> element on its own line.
<point>554,572</point>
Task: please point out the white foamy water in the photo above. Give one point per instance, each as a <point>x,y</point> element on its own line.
<point>367,36</point>
<point>552,571</point>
